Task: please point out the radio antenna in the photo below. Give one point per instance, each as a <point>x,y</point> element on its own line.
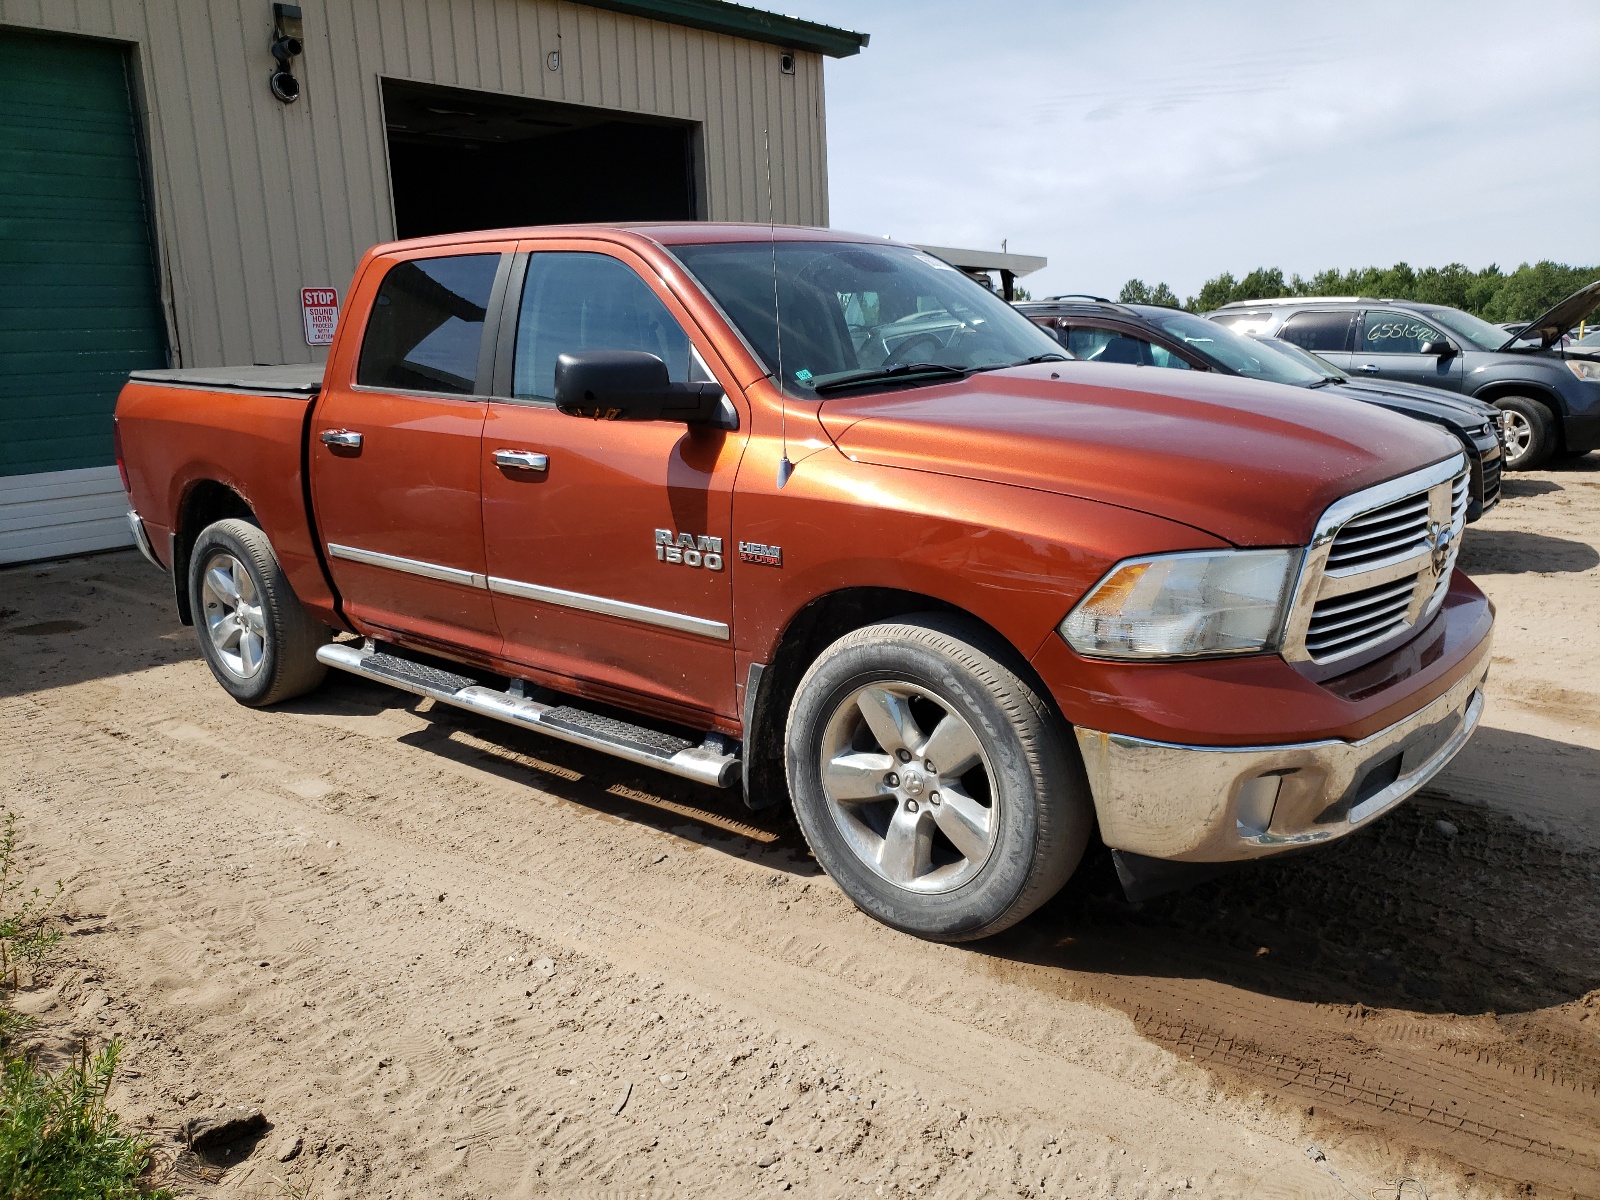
<point>785,467</point>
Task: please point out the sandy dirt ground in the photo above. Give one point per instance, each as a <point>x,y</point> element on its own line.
<point>452,959</point>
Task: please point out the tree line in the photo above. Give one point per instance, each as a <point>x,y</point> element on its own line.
<point>1491,293</point>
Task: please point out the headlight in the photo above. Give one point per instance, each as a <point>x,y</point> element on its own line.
<point>1584,368</point>
<point>1194,604</point>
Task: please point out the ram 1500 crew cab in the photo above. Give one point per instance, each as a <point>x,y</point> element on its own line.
<point>816,516</point>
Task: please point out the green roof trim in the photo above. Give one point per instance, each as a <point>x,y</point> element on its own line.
<point>738,20</point>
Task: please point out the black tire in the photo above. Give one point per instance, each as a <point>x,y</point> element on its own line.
<point>1534,439</point>
<point>1039,814</point>
<point>271,616</point>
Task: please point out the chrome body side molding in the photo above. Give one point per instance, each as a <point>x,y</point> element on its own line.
<point>408,566</point>
<point>665,618</point>
<point>682,622</point>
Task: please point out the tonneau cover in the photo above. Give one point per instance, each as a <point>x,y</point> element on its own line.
<point>304,379</point>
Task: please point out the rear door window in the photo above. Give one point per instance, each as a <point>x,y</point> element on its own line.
<point>426,327</point>
<point>1320,332</point>
<point>1388,332</point>
<point>578,300</point>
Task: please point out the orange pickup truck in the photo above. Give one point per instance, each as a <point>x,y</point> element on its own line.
<point>817,516</point>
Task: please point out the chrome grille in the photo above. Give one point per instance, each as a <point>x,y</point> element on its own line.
<point>1357,617</point>
<point>1398,529</point>
<point>1378,567</point>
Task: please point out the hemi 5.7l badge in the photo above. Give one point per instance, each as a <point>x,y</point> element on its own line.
<point>689,550</point>
<point>760,552</point>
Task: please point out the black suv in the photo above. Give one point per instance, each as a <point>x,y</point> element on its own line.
<point>1098,330</point>
<point>1552,398</point>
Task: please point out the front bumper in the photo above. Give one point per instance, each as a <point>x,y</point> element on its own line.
<point>1226,803</point>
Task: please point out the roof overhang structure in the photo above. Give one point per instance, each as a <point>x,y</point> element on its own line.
<point>738,20</point>
<point>980,262</point>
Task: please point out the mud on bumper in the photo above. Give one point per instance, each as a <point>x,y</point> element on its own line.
<point>1218,804</point>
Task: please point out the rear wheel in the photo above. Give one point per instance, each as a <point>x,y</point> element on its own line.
<point>257,638</point>
<point>1531,436</point>
<point>932,782</point>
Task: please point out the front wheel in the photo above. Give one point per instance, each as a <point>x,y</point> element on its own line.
<point>258,640</point>
<point>932,782</point>
<point>1531,435</point>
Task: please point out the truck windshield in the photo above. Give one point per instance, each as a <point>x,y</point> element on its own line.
<point>857,314</point>
<point>1241,355</point>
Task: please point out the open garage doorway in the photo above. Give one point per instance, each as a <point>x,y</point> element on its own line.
<point>461,160</point>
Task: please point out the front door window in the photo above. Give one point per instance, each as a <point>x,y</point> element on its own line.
<point>574,301</point>
<point>1396,333</point>
<point>1390,347</point>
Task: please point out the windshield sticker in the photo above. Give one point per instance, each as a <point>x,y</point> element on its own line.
<point>803,375</point>
<point>938,264</point>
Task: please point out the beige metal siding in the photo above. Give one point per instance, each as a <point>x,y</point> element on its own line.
<point>255,199</point>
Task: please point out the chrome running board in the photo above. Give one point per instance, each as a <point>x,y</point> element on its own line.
<point>709,763</point>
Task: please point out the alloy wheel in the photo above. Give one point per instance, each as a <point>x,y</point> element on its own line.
<point>909,786</point>
<point>1519,436</point>
<point>233,616</point>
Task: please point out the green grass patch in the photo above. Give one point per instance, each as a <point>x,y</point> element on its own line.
<point>59,1139</point>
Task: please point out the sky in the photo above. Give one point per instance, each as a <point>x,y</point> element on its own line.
<point>1172,141</point>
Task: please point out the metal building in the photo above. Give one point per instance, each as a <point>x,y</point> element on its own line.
<point>173,177</point>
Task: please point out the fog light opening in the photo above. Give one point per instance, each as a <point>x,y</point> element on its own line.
<point>1257,798</point>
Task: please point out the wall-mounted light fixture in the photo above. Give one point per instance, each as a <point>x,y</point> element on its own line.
<point>286,47</point>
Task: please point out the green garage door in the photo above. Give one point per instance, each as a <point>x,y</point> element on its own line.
<point>79,306</point>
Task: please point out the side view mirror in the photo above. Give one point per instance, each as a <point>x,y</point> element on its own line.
<point>1440,348</point>
<point>630,385</point>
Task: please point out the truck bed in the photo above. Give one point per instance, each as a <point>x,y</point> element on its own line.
<point>185,432</point>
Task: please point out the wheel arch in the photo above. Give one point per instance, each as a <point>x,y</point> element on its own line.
<point>1500,389</point>
<point>203,502</point>
<point>821,622</point>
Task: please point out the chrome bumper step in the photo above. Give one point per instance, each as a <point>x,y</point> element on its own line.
<point>709,763</point>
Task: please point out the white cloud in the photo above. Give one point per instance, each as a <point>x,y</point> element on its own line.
<point>1173,141</point>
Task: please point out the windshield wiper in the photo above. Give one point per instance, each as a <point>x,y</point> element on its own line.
<point>899,373</point>
<point>1325,381</point>
<point>1039,358</point>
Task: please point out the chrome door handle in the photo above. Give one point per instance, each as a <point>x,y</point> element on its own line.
<point>341,437</point>
<point>521,460</point>
<point>1367,369</point>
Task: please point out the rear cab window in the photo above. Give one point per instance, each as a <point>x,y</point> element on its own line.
<point>425,333</point>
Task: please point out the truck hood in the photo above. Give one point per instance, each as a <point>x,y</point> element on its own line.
<point>1250,462</point>
<point>1548,327</point>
